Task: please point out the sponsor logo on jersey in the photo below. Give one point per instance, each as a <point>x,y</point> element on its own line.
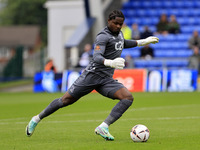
<point>97,47</point>
<point>119,45</point>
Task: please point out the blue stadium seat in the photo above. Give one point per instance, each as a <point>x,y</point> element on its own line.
<point>170,45</point>
<point>141,12</point>
<point>153,12</point>
<point>140,63</point>
<point>189,28</point>
<point>128,21</point>
<point>147,13</point>
<point>136,4</point>
<point>172,53</point>
<point>179,45</point>
<point>184,53</point>
<point>175,12</point>
<point>136,20</point>
<point>197,4</point>
<point>154,63</point>
<point>167,38</point>
<point>192,21</point>
<point>170,37</point>
<point>162,45</point>
<point>183,37</point>
<point>161,53</point>
<point>161,38</point>
<point>189,4</point>
<point>167,4</point>
<point>177,63</point>
<point>126,5</point>
<point>133,52</point>
<point>187,12</point>
<point>147,4</point>
<point>178,4</point>
<point>182,20</point>
<point>164,11</point>
<point>125,12</point>
<point>195,12</point>
<point>152,28</point>
<point>130,13</point>
<point>148,21</point>
<point>157,4</point>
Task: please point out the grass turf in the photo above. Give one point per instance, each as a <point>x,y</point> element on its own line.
<point>11,84</point>
<point>172,118</point>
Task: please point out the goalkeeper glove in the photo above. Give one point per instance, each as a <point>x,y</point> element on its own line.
<point>117,63</point>
<point>151,39</point>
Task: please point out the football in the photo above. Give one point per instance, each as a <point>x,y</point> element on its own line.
<point>139,133</point>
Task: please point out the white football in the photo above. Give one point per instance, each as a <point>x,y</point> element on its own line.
<point>139,133</point>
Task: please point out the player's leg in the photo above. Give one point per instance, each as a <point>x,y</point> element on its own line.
<point>76,91</point>
<point>66,100</point>
<point>126,100</point>
<point>114,90</point>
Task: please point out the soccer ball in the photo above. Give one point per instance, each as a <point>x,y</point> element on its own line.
<point>139,133</point>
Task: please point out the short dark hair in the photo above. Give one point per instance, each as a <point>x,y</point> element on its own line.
<point>116,13</point>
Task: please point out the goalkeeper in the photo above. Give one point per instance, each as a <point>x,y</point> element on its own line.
<point>98,74</point>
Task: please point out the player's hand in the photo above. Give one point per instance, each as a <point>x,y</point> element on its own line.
<point>151,39</point>
<point>117,63</point>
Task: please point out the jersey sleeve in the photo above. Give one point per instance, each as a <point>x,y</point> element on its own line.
<point>130,43</point>
<point>99,48</point>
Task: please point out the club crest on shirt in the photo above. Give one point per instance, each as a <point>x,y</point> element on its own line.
<point>97,47</point>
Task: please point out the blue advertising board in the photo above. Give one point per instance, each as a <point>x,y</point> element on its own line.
<point>54,82</point>
<point>182,80</point>
<point>156,80</point>
<point>172,80</point>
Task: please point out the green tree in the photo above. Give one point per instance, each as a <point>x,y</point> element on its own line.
<point>25,12</point>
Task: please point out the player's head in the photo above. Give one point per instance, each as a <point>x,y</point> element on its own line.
<point>115,21</point>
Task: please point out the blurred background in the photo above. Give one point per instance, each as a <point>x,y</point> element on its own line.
<point>58,36</point>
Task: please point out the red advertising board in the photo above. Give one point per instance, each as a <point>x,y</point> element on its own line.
<point>133,79</point>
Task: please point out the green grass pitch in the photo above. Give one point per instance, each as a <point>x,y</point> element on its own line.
<point>172,118</point>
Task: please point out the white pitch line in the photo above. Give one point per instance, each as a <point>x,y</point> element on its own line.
<point>132,109</point>
<point>133,119</point>
<point>13,119</point>
<point>108,111</point>
<point>6,121</point>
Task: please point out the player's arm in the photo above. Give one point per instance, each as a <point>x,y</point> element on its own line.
<point>142,42</point>
<point>149,40</point>
<point>98,54</point>
<point>130,43</point>
<point>99,50</point>
<point>117,63</point>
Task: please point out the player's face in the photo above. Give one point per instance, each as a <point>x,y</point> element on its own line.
<point>115,25</point>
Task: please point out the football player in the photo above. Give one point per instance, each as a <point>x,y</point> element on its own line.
<point>108,47</point>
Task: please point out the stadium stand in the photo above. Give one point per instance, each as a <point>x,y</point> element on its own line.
<point>172,51</point>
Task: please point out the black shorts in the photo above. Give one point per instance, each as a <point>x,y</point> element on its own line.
<point>89,81</point>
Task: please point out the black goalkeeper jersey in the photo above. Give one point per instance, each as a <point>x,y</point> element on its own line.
<point>107,46</point>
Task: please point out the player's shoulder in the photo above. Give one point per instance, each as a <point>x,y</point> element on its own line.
<point>103,35</point>
<point>103,32</point>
